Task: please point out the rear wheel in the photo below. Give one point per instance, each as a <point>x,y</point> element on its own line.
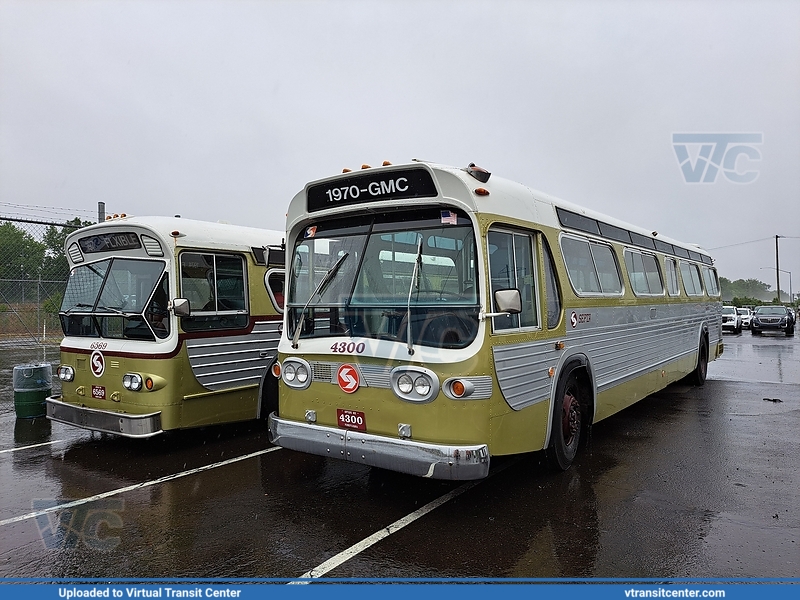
<point>568,423</point>
<point>698,376</point>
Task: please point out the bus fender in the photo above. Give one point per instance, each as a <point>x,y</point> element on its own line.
<point>568,363</point>
<point>267,393</point>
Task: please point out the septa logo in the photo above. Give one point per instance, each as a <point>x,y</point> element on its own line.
<point>347,378</point>
<point>97,363</point>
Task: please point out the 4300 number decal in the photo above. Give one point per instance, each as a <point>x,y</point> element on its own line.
<point>348,347</point>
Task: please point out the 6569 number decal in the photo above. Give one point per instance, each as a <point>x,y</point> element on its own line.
<point>348,347</point>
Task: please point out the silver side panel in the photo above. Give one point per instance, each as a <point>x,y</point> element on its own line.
<point>221,363</point>
<point>621,343</point>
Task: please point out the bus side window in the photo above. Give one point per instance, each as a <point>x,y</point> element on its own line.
<point>551,281</point>
<point>511,265</point>
<point>215,286</point>
<point>671,277</point>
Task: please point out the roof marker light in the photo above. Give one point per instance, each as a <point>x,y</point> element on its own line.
<point>386,163</point>
<point>346,170</point>
<point>366,167</point>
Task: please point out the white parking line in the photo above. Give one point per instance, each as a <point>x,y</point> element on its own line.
<point>31,446</point>
<point>355,549</point>
<point>137,486</point>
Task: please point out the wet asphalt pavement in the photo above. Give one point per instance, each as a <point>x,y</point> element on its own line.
<point>690,482</point>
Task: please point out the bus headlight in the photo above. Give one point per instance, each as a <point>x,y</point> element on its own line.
<point>132,382</point>
<point>296,373</point>
<point>66,373</point>
<point>405,384</point>
<point>414,384</point>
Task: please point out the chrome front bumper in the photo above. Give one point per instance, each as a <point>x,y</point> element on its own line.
<point>405,456</point>
<point>106,421</point>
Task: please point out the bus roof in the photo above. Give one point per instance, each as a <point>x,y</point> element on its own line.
<point>505,198</point>
<point>191,233</point>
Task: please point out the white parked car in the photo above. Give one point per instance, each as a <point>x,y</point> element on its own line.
<point>731,319</point>
<point>747,316</point>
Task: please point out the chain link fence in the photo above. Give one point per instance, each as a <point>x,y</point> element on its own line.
<point>33,275</point>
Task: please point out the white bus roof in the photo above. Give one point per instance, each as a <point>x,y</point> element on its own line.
<point>191,233</point>
<point>506,198</point>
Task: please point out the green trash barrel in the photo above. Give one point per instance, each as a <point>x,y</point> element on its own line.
<point>33,383</point>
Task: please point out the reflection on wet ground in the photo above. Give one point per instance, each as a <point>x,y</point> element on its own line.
<point>690,482</point>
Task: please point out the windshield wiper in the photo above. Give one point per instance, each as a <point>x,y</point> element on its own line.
<point>113,309</point>
<point>319,290</point>
<point>414,275</point>
<point>78,305</point>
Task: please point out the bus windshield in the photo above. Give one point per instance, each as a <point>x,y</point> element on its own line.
<point>397,268</point>
<point>116,298</point>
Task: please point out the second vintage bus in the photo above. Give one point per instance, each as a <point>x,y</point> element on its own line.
<point>169,323</point>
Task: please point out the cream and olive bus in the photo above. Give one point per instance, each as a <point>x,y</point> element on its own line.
<point>437,316</point>
<point>169,323</point>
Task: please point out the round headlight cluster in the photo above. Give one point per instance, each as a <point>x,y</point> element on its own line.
<point>296,373</point>
<point>132,382</point>
<point>66,373</point>
<point>415,384</point>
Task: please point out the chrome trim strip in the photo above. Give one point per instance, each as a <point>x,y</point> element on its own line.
<point>437,461</point>
<point>106,421</point>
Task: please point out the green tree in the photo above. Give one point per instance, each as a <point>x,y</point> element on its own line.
<point>55,266</point>
<point>744,288</point>
<point>21,256</point>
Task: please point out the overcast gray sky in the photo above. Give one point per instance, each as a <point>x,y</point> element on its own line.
<point>222,110</point>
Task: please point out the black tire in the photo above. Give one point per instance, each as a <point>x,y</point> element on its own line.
<point>569,422</point>
<point>755,332</point>
<point>698,376</point>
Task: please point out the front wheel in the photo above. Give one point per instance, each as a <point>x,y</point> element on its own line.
<point>568,423</point>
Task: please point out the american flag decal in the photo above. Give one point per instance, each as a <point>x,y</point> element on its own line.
<point>449,217</point>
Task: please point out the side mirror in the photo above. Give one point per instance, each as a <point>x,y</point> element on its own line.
<point>181,308</point>
<point>508,301</point>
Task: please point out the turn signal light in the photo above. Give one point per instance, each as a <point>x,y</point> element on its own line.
<point>276,370</point>
<point>481,191</point>
<point>458,389</point>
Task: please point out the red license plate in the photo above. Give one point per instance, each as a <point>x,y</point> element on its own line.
<point>351,419</point>
<point>99,392</point>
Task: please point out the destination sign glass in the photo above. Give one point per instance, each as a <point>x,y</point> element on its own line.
<point>107,242</point>
<point>370,187</point>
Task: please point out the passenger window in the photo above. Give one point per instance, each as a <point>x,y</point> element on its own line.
<point>591,266</point>
<point>671,276</point>
<point>644,273</point>
<point>215,286</point>
<point>712,283</point>
<point>691,279</point>
<point>512,265</point>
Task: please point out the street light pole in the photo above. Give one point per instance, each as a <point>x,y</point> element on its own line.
<point>791,292</point>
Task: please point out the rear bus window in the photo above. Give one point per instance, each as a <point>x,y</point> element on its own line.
<point>711,281</point>
<point>691,279</point>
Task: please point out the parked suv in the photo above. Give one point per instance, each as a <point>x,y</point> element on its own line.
<point>731,319</point>
<point>772,318</point>
<point>746,315</point>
